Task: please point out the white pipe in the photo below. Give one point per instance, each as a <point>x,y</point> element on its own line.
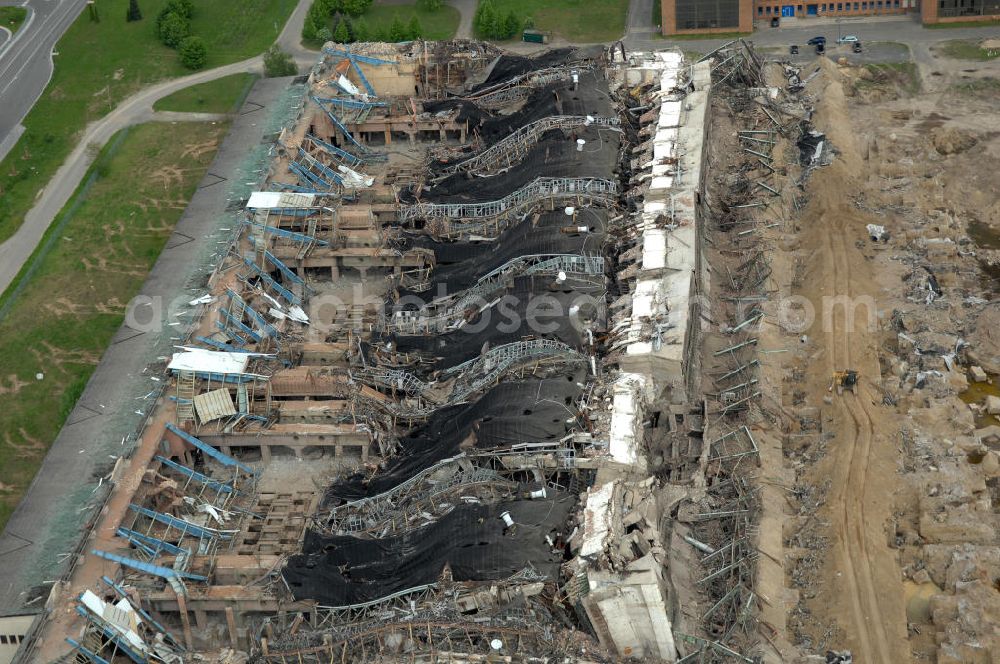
<point>593,365</point>
<point>540,493</point>
<point>509,522</point>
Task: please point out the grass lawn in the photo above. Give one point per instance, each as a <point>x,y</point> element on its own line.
<point>961,24</point>
<point>12,17</point>
<point>582,21</point>
<point>961,49</point>
<point>223,95</point>
<point>904,75</point>
<point>62,321</point>
<point>99,64</point>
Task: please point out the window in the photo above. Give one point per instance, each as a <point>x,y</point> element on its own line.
<point>822,7</point>
<point>760,11</point>
<point>800,9</point>
<point>895,4</point>
<point>840,7</point>
<point>855,6</point>
<point>879,4</point>
<point>864,6</point>
<point>768,11</point>
<point>3,640</point>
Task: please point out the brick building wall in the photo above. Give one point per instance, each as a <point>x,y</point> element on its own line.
<point>671,24</point>
<point>951,11</point>
<point>767,9</point>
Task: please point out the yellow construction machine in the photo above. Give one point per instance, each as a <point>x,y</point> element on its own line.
<point>847,378</point>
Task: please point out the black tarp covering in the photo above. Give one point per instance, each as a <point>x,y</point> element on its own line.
<point>471,539</point>
<point>523,411</point>
<point>530,308</point>
<point>459,265</point>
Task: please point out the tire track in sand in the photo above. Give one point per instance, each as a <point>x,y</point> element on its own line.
<point>851,474</point>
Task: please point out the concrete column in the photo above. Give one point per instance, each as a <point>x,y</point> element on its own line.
<point>388,136</point>
<point>201,619</point>
<point>227,450</point>
<point>182,609</point>
<point>234,639</point>
<point>265,454</point>
<point>334,271</point>
<point>364,452</point>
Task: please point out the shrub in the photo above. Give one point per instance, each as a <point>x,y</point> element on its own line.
<point>193,52</point>
<point>355,7</point>
<point>278,63</point>
<point>173,28</point>
<point>362,32</point>
<point>324,35</point>
<point>429,5</point>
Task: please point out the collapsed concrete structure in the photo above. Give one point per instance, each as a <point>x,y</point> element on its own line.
<point>445,402</point>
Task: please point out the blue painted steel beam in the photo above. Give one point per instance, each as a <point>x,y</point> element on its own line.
<point>340,125</point>
<point>289,235</point>
<point>219,324</point>
<point>142,612</point>
<point>219,345</point>
<point>240,325</point>
<point>350,103</point>
<point>285,270</point>
<point>224,378</point>
<point>324,169</point>
<point>367,59</point>
<point>148,568</point>
<point>220,487</point>
<point>351,159</point>
<point>361,75</point>
<point>92,656</point>
<point>267,327</point>
<point>269,281</point>
<point>180,524</point>
<point>154,543</point>
<point>221,457</point>
<point>308,177</point>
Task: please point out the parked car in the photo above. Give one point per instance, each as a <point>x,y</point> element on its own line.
<point>816,40</point>
<point>775,22</point>
<point>793,49</point>
<point>847,39</point>
<point>857,47</point>
<point>820,48</point>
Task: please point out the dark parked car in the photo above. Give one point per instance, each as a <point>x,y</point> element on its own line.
<point>775,22</point>
<point>816,41</point>
<point>820,48</point>
<point>857,47</point>
<point>794,49</point>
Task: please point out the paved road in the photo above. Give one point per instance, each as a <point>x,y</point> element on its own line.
<point>26,62</point>
<point>134,110</point>
<point>467,10</point>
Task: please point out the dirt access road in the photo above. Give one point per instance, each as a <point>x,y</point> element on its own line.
<point>861,570</point>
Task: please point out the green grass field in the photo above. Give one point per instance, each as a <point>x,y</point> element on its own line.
<point>223,95</point>
<point>583,21</point>
<point>62,321</point>
<point>961,24</point>
<point>961,49</point>
<point>12,17</point>
<point>99,64</point>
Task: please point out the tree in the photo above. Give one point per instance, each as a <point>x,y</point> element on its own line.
<point>397,31</point>
<point>485,18</point>
<point>413,29</point>
<point>429,5</point>
<point>278,63</point>
<point>317,18</point>
<point>193,52</point>
<point>342,35</point>
<point>362,32</point>
<point>173,29</point>
<point>512,24</point>
<point>134,13</point>
<point>355,7</point>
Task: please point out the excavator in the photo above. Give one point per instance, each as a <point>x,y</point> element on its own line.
<point>847,378</point>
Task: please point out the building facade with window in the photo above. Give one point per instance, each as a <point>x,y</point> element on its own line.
<point>707,16</point>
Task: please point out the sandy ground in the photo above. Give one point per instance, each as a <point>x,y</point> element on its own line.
<point>876,561</point>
